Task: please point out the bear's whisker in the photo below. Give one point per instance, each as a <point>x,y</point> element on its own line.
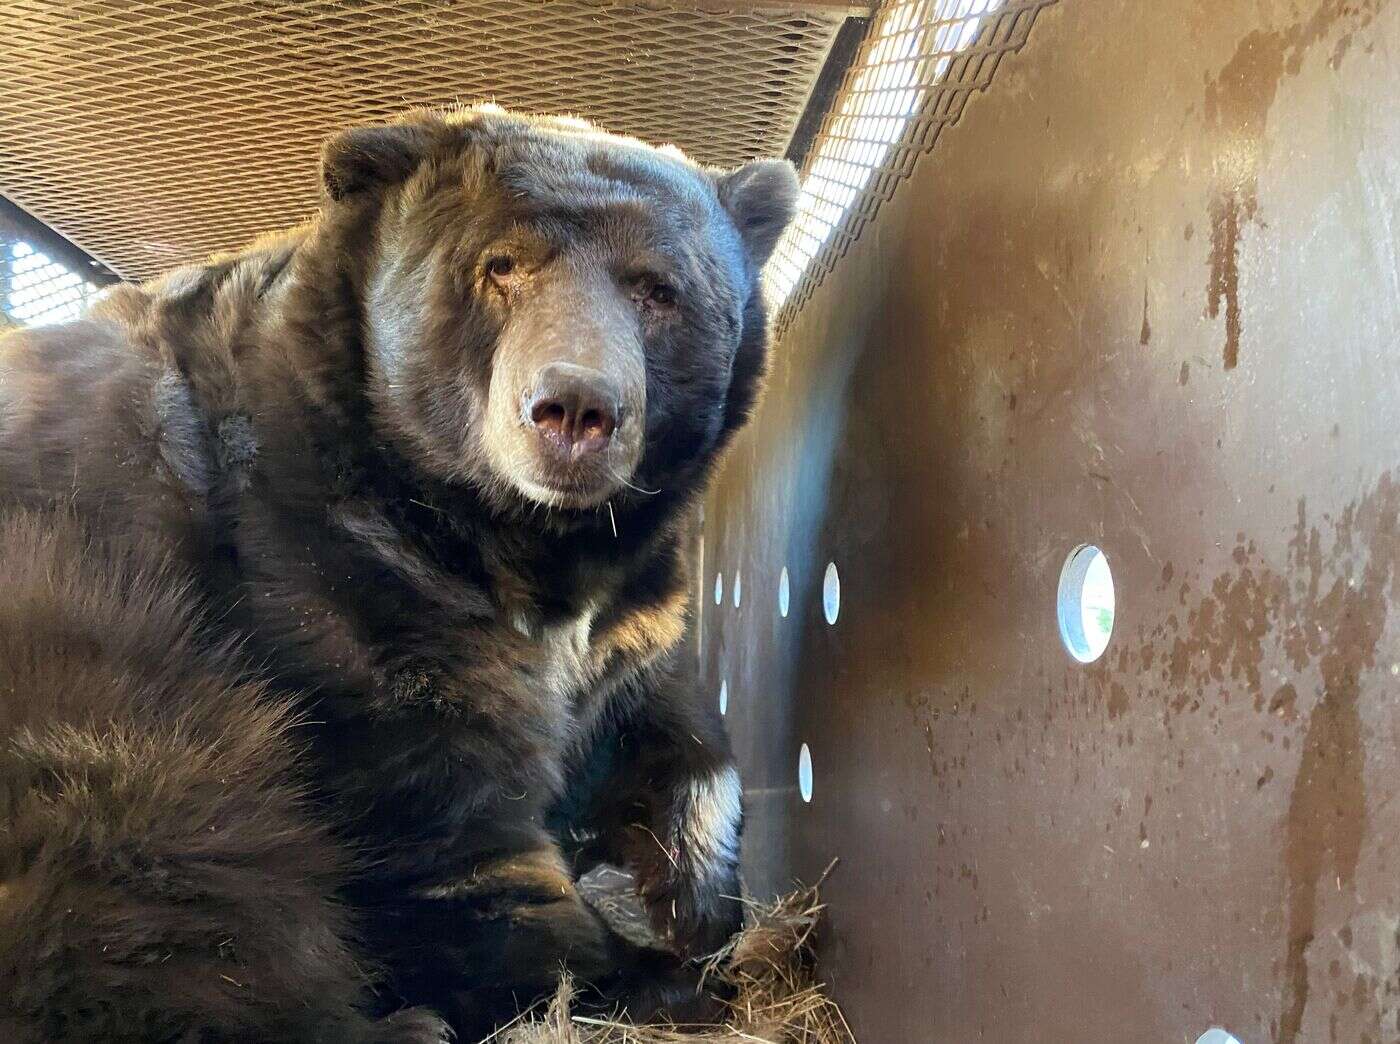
<point>629,485</point>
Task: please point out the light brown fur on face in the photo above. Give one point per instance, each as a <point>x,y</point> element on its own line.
<point>566,313</point>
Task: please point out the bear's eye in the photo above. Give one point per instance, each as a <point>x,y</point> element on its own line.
<point>663,295</point>
<point>500,266</point>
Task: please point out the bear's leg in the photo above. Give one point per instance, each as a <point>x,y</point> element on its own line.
<point>162,883</point>
<point>486,943</point>
<point>663,799</point>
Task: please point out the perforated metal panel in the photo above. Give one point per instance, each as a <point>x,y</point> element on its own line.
<point>920,62</point>
<point>152,132</point>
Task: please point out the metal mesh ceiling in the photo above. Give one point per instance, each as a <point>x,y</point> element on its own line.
<point>153,132</point>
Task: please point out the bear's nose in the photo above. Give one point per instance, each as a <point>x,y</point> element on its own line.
<point>574,409</point>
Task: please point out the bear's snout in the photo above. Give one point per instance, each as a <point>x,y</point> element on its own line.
<point>574,411</point>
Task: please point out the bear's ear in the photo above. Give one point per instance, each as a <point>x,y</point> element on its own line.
<point>761,197</point>
<point>363,158</point>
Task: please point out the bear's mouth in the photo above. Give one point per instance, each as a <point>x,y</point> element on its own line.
<point>574,482</point>
<point>540,472</point>
<point>553,489</point>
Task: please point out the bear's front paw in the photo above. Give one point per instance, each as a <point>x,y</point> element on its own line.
<point>692,887</point>
<point>412,1026</point>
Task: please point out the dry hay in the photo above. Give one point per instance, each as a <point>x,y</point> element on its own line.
<point>769,968</point>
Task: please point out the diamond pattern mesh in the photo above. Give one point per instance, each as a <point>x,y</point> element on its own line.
<point>919,63</point>
<point>153,132</point>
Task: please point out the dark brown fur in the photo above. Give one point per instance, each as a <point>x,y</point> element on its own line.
<point>312,448</point>
<point>160,859</point>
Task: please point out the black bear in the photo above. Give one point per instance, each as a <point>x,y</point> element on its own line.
<point>344,579</point>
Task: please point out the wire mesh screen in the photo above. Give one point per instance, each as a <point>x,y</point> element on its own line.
<point>36,287</point>
<point>153,132</point>
<point>920,62</point>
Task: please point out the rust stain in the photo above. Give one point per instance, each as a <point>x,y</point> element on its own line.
<point>1284,703</point>
<point>1117,700</point>
<point>1225,219</point>
<point>1327,810</point>
<point>1225,633</point>
<point>1340,51</point>
<point>1329,609</point>
<point>1145,337</point>
<point>1237,104</point>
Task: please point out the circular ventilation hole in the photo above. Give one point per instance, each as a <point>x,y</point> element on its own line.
<point>1085,603</point>
<point>724,698</point>
<point>738,588</point>
<point>784,592</point>
<point>804,773</point>
<point>1216,1035</point>
<point>831,593</point>
<point>719,588</point>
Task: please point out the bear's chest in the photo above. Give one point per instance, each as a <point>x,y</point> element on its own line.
<point>560,653</point>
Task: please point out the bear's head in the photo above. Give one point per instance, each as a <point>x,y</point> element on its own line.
<point>552,314</point>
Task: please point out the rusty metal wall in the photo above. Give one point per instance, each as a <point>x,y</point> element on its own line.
<point>1146,294</point>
